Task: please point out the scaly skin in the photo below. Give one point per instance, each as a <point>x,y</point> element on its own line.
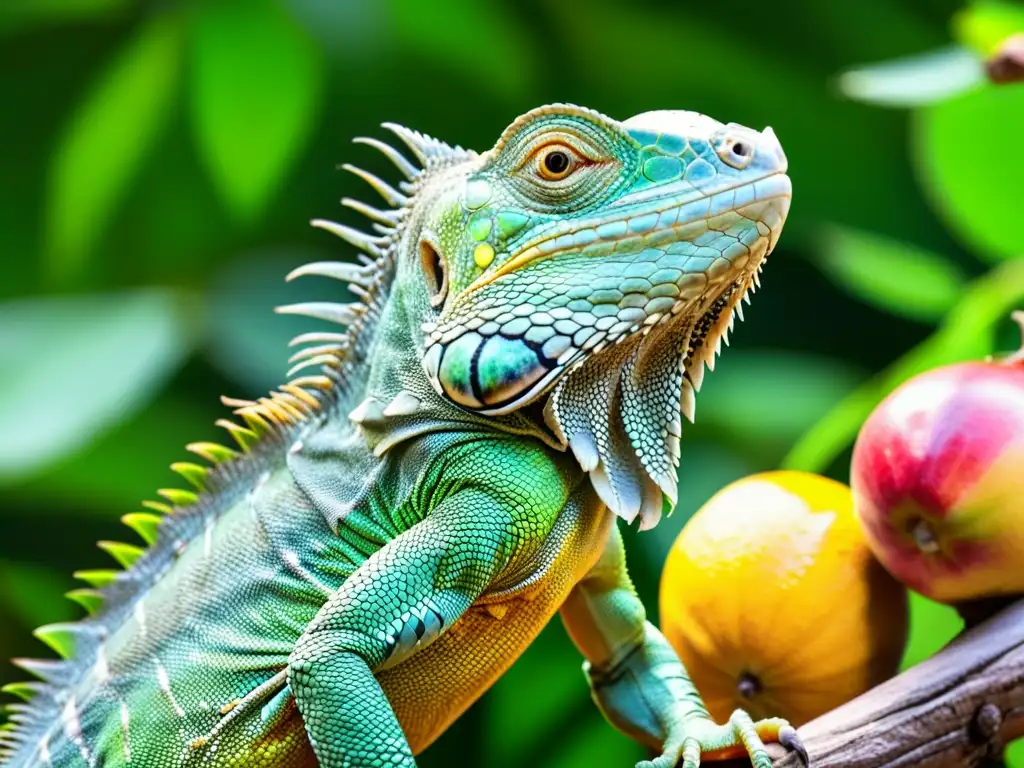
<point>397,530</point>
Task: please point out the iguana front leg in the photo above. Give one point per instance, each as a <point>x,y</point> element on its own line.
<point>639,683</point>
<point>400,600</point>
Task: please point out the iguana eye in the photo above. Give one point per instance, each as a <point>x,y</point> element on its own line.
<point>556,161</point>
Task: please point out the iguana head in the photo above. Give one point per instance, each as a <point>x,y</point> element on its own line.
<point>573,281</point>
<point>597,265</point>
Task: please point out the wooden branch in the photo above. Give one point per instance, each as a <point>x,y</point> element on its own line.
<point>957,709</point>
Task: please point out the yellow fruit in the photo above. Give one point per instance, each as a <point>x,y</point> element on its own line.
<point>774,602</point>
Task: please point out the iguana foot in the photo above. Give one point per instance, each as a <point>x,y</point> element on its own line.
<point>704,738</point>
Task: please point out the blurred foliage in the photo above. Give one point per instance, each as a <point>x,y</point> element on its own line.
<point>160,160</point>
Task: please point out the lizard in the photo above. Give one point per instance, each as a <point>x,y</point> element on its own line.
<point>442,476</point>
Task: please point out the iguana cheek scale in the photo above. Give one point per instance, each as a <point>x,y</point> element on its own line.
<point>437,481</point>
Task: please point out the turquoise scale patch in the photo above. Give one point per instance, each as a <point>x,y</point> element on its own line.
<point>661,169</point>
<point>646,138</point>
<point>480,225</point>
<point>510,223</point>
<point>671,144</point>
<point>700,171</point>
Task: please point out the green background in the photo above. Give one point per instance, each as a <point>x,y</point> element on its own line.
<point>159,162</point>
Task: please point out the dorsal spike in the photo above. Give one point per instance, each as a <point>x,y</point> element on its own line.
<point>245,438</point>
<point>48,670</point>
<point>417,143</point>
<point>195,474</point>
<point>301,394</point>
<point>392,196</point>
<point>319,338</point>
<point>62,637</point>
<point>145,524</point>
<point>158,506</point>
<point>90,599</point>
<point>125,554</point>
<point>18,714</point>
<point>236,402</point>
<point>255,420</point>
<point>317,382</point>
<point>279,410</point>
<point>388,218</point>
<point>407,169</point>
<point>317,361</point>
<point>361,292</point>
<point>25,691</point>
<point>428,150</point>
<point>360,240</point>
<point>323,349</point>
<point>212,452</point>
<point>342,314</point>
<point>178,497</point>
<point>337,270</point>
<point>97,578</point>
<point>287,402</point>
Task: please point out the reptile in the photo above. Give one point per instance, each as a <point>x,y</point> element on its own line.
<point>441,476</point>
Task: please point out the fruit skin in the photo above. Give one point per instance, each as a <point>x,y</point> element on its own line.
<point>771,589</point>
<point>938,481</point>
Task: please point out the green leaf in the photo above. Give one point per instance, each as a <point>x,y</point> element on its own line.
<point>103,147</point>
<point>481,41</point>
<point>353,33</point>
<point>793,391</point>
<point>923,78</point>
<point>967,333</point>
<point>932,626</point>
<point>34,595</point>
<point>891,275</point>
<point>75,366</point>
<point>972,172</point>
<point>1014,754</point>
<point>256,86</point>
<point>16,15</point>
<point>248,341</point>
<point>125,463</point>
<point>594,744</point>
<point>548,658</point>
<point>984,25</point>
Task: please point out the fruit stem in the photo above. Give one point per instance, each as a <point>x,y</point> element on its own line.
<point>748,686</point>
<point>1018,356</point>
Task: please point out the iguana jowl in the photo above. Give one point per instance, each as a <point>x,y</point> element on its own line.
<point>395,530</point>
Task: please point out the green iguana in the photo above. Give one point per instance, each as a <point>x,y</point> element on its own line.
<point>531,323</point>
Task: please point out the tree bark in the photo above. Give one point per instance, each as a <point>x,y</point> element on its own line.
<point>957,709</point>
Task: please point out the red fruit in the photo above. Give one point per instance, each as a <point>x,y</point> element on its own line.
<point>938,481</point>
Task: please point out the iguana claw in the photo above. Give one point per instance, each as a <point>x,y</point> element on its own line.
<point>703,738</point>
<point>790,739</point>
